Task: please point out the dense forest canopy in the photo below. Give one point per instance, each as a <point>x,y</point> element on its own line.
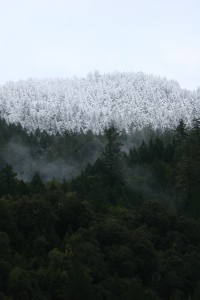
<point>132,100</point>
<point>100,216</point>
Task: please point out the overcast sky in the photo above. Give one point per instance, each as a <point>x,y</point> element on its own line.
<point>63,38</point>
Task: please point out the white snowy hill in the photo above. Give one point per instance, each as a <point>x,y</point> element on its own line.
<point>128,99</point>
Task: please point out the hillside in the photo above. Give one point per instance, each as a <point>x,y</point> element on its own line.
<point>125,227</point>
<point>129,99</point>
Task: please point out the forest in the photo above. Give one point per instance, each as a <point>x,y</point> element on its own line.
<point>111,216</point>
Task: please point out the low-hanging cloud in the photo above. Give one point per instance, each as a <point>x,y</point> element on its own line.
<point>25,165</point>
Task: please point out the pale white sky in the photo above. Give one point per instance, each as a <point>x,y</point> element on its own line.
<point>63,38</point>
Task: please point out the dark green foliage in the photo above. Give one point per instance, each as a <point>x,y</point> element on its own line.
<point>37,186</point>
<point>126,228</point>
<point>8,181</point>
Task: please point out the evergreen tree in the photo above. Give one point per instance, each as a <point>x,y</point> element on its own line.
<point>183,164</point>
<point>37,185</point>
<point>112,155</point>
<point>8,181</point>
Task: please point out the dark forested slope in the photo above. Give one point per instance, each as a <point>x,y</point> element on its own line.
<point>126,227</point>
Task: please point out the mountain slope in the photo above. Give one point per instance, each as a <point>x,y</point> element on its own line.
<point>128,99</point>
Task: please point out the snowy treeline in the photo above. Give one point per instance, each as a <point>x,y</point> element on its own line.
<point>129,99</point>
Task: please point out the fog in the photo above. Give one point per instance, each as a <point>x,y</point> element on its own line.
<point>25,165</point>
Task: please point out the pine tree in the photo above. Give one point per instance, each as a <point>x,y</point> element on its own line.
<point>8,180</point>
<point>112,155</point>
<point>111,165</point>
<point>37,185</point>
<point>183,164</point>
